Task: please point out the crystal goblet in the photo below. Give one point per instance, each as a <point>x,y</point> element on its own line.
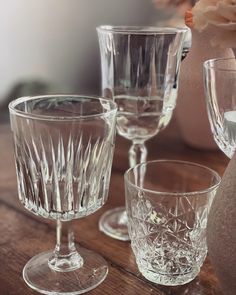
<point>220,90</point>
<point>63,153</point>
<point>140,68</point>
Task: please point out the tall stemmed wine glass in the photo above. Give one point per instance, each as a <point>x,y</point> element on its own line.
<point>63,152</point>
<point>140,68</point>
<point>220,89</point>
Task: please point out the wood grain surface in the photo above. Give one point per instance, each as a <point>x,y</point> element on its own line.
<point>23,235</point>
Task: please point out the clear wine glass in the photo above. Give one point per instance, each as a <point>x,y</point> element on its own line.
<point>63,153</point>
<point>140,68</point>
<point>220,90</point>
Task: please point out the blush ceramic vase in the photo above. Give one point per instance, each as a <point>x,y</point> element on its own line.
<point>220,87</point>
<point>191,107</point>
<point>221,231</point>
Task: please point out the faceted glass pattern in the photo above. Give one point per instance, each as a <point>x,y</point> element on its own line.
<point>168,228</point>
<point>63,168</point>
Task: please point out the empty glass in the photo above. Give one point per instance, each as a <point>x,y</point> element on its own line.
<point>167,204</point>
<point>220,89</point>
<point>63,153</point>
<point>140,67</point>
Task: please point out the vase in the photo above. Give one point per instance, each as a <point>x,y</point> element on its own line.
<point>191,110</point>
<point>221,231</point>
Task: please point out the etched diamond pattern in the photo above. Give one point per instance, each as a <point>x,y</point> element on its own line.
<point>168,235</point>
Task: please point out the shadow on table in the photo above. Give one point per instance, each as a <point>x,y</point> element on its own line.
<point>196,287</point>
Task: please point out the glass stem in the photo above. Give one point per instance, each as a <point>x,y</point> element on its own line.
<point>65,256</point>
<point>137,153</point>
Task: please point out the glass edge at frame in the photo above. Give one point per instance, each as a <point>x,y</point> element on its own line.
<point>211,64</point>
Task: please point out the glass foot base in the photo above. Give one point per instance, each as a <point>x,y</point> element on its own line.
<point>114,224</point>
<point>40,277</point>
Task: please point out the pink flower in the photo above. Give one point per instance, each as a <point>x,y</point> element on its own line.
<point>220,17</point>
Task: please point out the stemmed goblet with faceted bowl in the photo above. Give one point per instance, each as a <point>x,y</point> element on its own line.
<point>63,152</point>
<point>140,68</point>
<point>220,90</point>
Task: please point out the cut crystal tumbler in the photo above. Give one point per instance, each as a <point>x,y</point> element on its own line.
<point>167,204</point>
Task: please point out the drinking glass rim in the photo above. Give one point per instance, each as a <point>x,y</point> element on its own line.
<point>189,194</point>
<point>140,30</point>
<point>12,107</point>
<point>212,64</point>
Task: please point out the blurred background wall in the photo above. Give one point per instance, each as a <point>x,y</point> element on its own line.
<point>51,45</point>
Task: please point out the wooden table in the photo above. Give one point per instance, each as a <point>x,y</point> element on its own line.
<point>23,235</point>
